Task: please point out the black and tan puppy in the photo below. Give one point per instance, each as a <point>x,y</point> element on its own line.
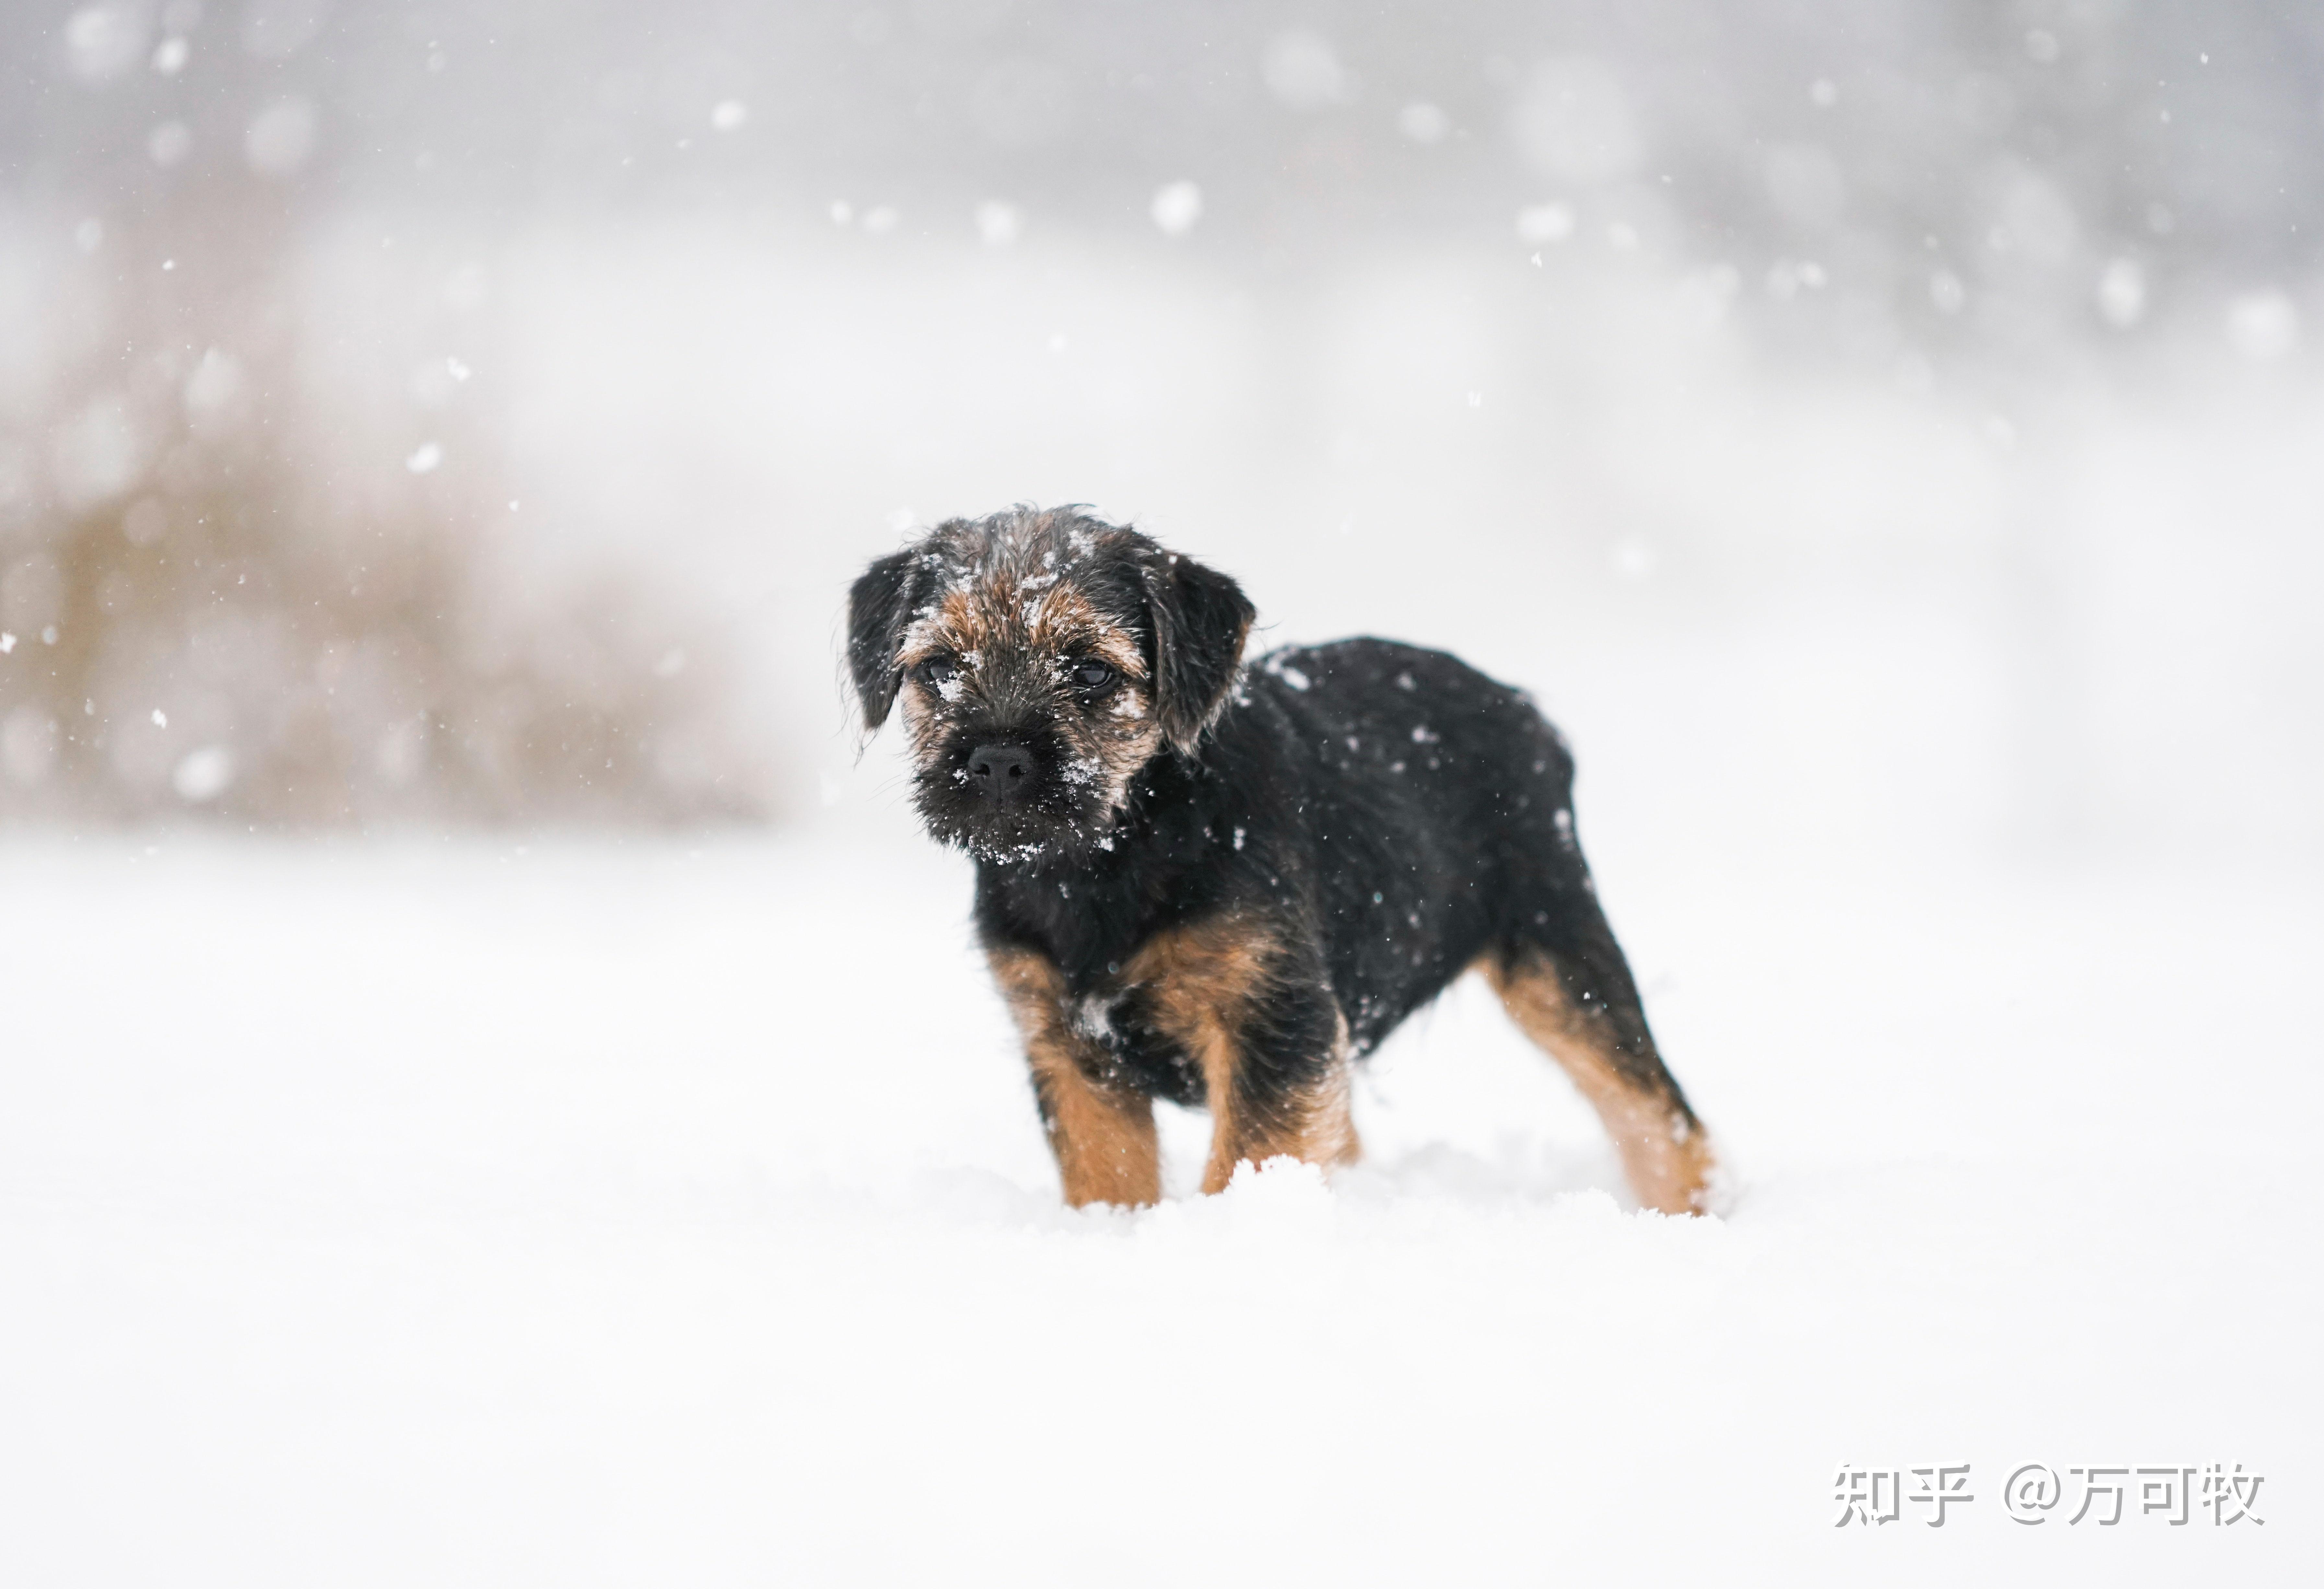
<point>1224,884</point>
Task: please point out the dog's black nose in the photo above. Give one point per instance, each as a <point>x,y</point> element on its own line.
<point>1001,773</point>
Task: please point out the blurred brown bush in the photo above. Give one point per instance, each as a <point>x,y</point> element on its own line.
<point>221,592</point>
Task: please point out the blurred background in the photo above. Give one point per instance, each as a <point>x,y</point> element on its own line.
<point>1871,429</point>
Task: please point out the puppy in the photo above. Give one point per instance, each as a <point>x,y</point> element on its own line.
<point>1224,884</point>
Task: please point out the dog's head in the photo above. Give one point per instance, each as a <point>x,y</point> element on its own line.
<point>1040,659</point>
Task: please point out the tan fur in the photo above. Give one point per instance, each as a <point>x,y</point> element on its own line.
<point>1003,609</point>
<point>1669,1160</point>
<point>1202,982</point>
<point>1103,1137</point>
<point>1006,613</point>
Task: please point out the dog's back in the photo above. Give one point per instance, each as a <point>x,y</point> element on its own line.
<point>1438,802</point>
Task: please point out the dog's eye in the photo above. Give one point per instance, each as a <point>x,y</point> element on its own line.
<point>1090,676</point>
<point>938,671</point>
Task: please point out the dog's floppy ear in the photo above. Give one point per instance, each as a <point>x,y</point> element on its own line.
<point>878,609</point>
<point>1200,618</point>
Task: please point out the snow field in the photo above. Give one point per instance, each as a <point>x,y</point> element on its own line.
<point>676,1213</point>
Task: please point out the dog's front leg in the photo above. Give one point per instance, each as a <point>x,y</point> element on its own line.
<point>1246,1000</point>
<point>1102,1133</point>
<point>1277,1083</point>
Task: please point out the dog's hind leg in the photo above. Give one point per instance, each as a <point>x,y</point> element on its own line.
<point>1565,983</point>
<point>1102,1133</point>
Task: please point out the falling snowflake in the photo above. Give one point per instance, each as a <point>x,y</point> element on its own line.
<point>1176,207</point>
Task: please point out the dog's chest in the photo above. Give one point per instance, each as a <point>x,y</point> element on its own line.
<point>1094,1014</point>
<point>1120,1017</point>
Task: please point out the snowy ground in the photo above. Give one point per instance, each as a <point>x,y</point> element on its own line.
<point>675,1213</point>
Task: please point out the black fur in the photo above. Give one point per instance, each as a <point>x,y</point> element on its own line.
<point>1399,859</point>
<point>1388,814</point>
<point>1198,618</point>
<point>877,607</point>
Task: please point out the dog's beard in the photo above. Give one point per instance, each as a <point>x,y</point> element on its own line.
<point>1074,813</point>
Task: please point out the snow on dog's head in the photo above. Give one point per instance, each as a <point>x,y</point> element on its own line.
<point>1041,659</point>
